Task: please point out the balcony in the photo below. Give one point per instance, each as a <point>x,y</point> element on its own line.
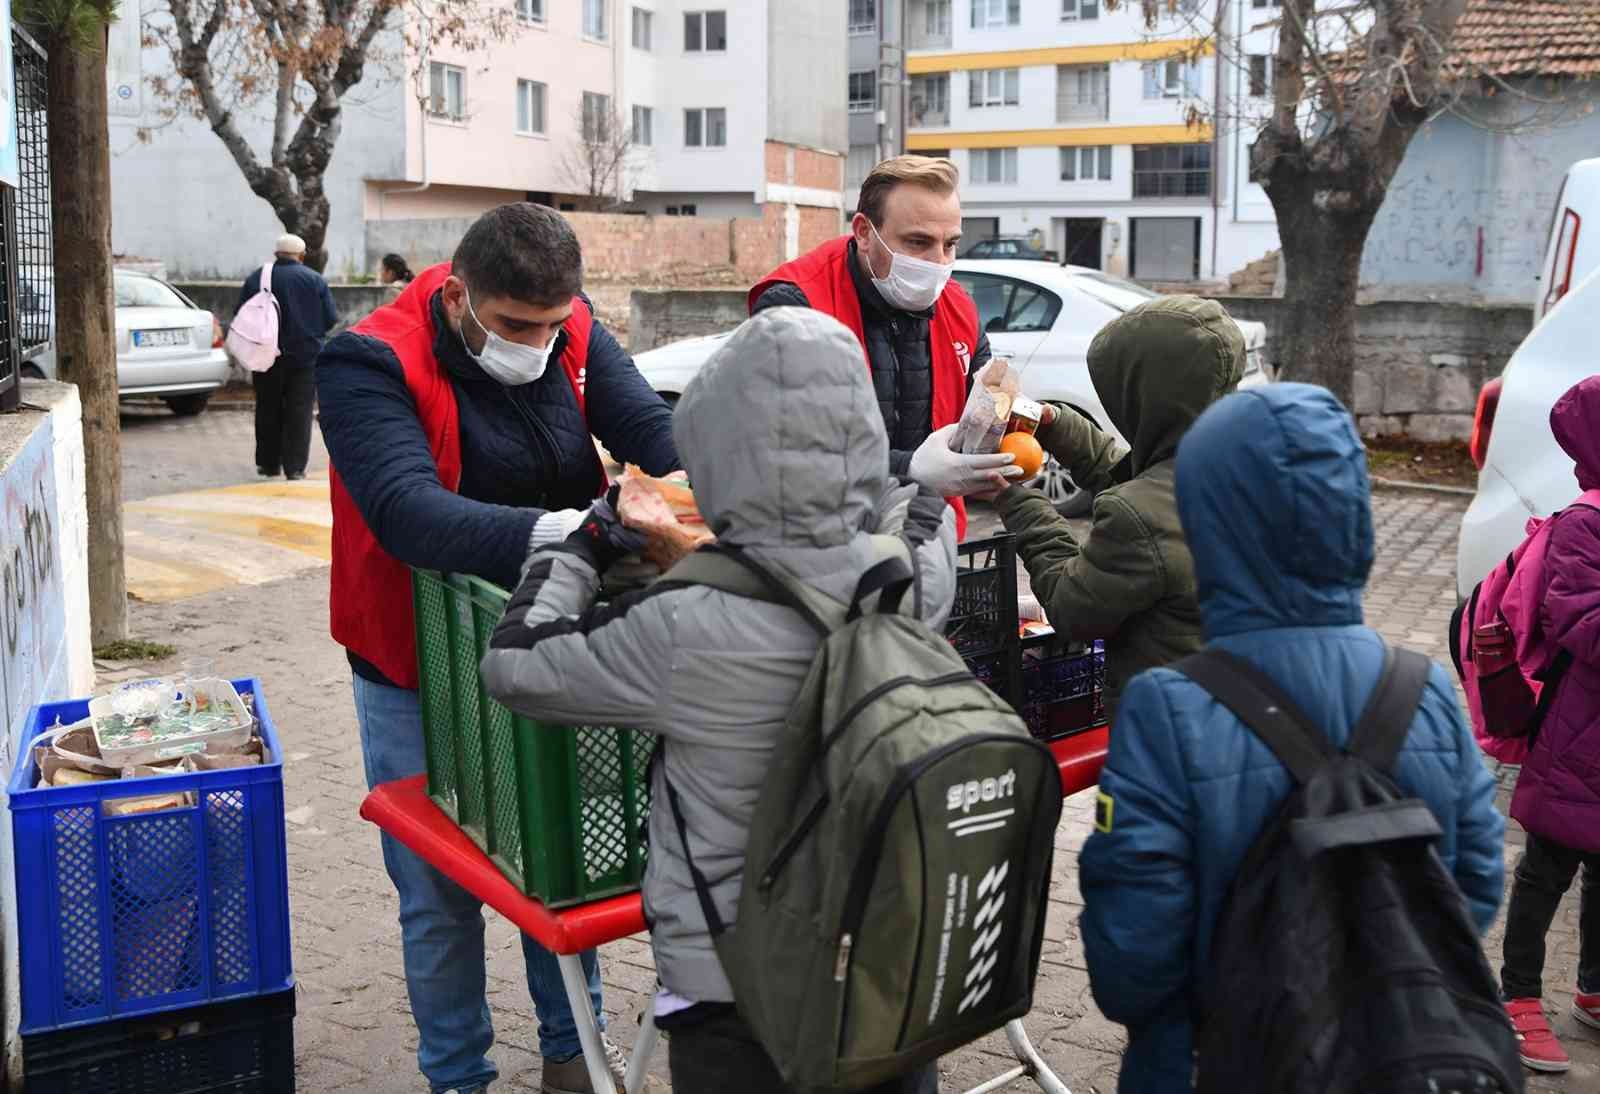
<point>1071,108</point>
<point>1083,93</point>
<point>928,106</point>
<point>928,24</point>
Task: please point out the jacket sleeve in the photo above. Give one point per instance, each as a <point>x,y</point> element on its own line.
<point>784,294</point>
<point>251,286</point>
<point>377,446</point>
<point>631,420</point>
<point>1480,864</point>
<point>1089,589</point>
<point>1088,453</point>
<point>330,311</point>
<point>1137,868</point>
<point>931,533</point>
<point>980,357</point>
<point>559,657</point>
<point>1572,599</point>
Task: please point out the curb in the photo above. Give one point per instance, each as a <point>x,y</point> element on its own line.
<point>231,405</point>
<point>1423,487</point>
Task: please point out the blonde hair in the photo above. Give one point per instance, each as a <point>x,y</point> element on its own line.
<point>929,172</point>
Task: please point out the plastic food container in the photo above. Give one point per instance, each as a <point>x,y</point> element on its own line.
<point>209,714</point>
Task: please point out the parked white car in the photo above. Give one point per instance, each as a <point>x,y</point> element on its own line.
<point>168,348</point>
<point>1570,253</point>
<point>1043,315</point>
<point>1522,470</point>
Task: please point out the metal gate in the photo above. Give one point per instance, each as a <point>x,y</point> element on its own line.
<point>27,280</point>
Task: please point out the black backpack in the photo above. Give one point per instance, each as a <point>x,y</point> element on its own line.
<point>1345,960</point>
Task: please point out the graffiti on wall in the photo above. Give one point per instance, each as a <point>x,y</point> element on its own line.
<point>32,589</point>
<point>1459,231</point>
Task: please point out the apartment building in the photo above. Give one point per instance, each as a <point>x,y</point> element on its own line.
<point>1091,134</point>
<point>876,88</point>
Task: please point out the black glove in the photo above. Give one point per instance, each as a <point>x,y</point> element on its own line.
<point>602,537</point>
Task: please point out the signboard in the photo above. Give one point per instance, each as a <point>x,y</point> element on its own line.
<point>10,169</point>
<point>124,63</point>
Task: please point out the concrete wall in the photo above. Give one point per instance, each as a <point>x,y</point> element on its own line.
<point>659,316</point>
<point>807,73</point>
<point>1419,364</point>
<point>354,302</point>
<point>1462,182</point>
<point>45,653</point>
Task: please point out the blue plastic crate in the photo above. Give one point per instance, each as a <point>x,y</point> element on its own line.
<point>120,916</point>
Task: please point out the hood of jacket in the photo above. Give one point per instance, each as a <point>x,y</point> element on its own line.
<point>1575,421</point>
<point>1157,367</point>
<point>1275,503</point>
<point>781,435</point>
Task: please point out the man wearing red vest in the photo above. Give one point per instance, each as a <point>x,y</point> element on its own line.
<point>889,282</point>
<point>460,421</point>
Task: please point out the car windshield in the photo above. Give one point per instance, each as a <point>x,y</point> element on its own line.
<point>146,292</point>
<point>1113,291</point>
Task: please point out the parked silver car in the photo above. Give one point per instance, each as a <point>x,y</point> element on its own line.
<point>168,348</point>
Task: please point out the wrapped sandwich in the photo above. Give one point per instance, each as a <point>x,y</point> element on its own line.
<point>664,510</point>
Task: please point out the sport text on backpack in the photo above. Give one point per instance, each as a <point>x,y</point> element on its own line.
<point>898,867</point>
<point>1345,960</point>
<point>1508,696</point>
<point>253,334</point>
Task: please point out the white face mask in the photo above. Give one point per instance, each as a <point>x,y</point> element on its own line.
<point>913,284</point>
<point>511,363</point>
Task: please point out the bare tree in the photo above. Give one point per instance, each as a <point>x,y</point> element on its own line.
<point>1351,83</point>
<point>303,59</point>
<point>598,161</point>
<point>74,33</point>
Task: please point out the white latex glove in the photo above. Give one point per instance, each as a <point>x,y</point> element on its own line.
<point>952,474</point>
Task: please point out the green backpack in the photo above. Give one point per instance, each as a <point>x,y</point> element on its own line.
<point>898,868</point>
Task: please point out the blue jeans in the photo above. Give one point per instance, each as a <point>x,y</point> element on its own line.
<point>441,926</point>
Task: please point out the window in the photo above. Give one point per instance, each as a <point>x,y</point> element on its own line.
<point>863,16</point>
<point>1006,306</point>
<point>447,91</point>
<point>644,124</point>
<point>1072,10</point>
<point>1083,93</point>
<point>994,166</point>
<point>1172,79</point>
<point>594,20</point>
<point>996,13</point>
<point>1164,248</point>
<point>1086,164</point>
<point>705,128</point>
<point>863,92</point>
<point>530,11</point>
<point>1266,3</point>
<point>1260,75</point>
<point>644,21</point>
<point>530,107</point>
<point>936,18</point>
<point>681,210</point>
<point>1171,170</point>
<point>930,99</point>
<point>596,117</point>
<point>993,87</point>
<point>705,31</point>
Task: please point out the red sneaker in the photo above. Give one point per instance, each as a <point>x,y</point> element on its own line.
<point>1538,1047</point>
<point>1586,1008</point>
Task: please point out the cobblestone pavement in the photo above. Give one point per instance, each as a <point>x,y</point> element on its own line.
<point>354,1031</point>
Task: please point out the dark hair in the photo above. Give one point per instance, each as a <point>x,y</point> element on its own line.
<point>523,251</point>
<point>396,264</point>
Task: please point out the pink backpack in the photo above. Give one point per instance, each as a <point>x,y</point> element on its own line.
<point>253,334</point>
<point>1512,593</point>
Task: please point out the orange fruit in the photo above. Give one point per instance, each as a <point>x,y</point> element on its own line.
<point>1026,450</point>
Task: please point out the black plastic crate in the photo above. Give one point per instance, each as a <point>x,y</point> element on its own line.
<point>243,1046</point>
<point>1063,689</point>
<point>984,618</point>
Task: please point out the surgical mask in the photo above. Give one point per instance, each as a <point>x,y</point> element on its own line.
<point>913,284</point>
<point>511,363</point>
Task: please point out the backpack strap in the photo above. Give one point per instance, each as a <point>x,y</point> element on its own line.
<point>1385,724</point>
<point>731,570</point>
<point>891,576</point>
<point>266,277</point>
<point>1263,707</point>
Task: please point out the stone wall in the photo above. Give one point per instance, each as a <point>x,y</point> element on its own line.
<point>45,650</point>
<point>353,302</point>
<point>659,316</point>
<point>1419,364</point>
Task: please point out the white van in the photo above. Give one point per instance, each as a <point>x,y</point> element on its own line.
<point>1570,253</point>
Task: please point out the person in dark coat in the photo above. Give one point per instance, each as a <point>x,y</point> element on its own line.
<point>1558,790</point>
<point>1273,493</point>
<point>286,392</point>
<point>461,424</point>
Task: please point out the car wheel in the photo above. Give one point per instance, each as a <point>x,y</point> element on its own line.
<point>187,406</point>
<point>1057,486</point>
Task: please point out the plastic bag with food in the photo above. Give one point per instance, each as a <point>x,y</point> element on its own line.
<point>988,410</point>
<point>664,510</point>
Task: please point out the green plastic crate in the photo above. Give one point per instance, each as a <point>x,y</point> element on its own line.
<point>559,810</point>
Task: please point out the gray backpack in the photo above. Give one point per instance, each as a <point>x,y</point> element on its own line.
<point>898,867</point>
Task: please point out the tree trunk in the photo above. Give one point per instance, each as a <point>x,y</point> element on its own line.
<point>86,352</point>
<point>1322,271</point>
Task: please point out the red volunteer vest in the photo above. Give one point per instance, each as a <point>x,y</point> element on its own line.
<point>824,276</point>
<point>370,608</point>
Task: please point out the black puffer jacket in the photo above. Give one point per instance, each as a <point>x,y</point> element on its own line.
<point>902,368</point>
